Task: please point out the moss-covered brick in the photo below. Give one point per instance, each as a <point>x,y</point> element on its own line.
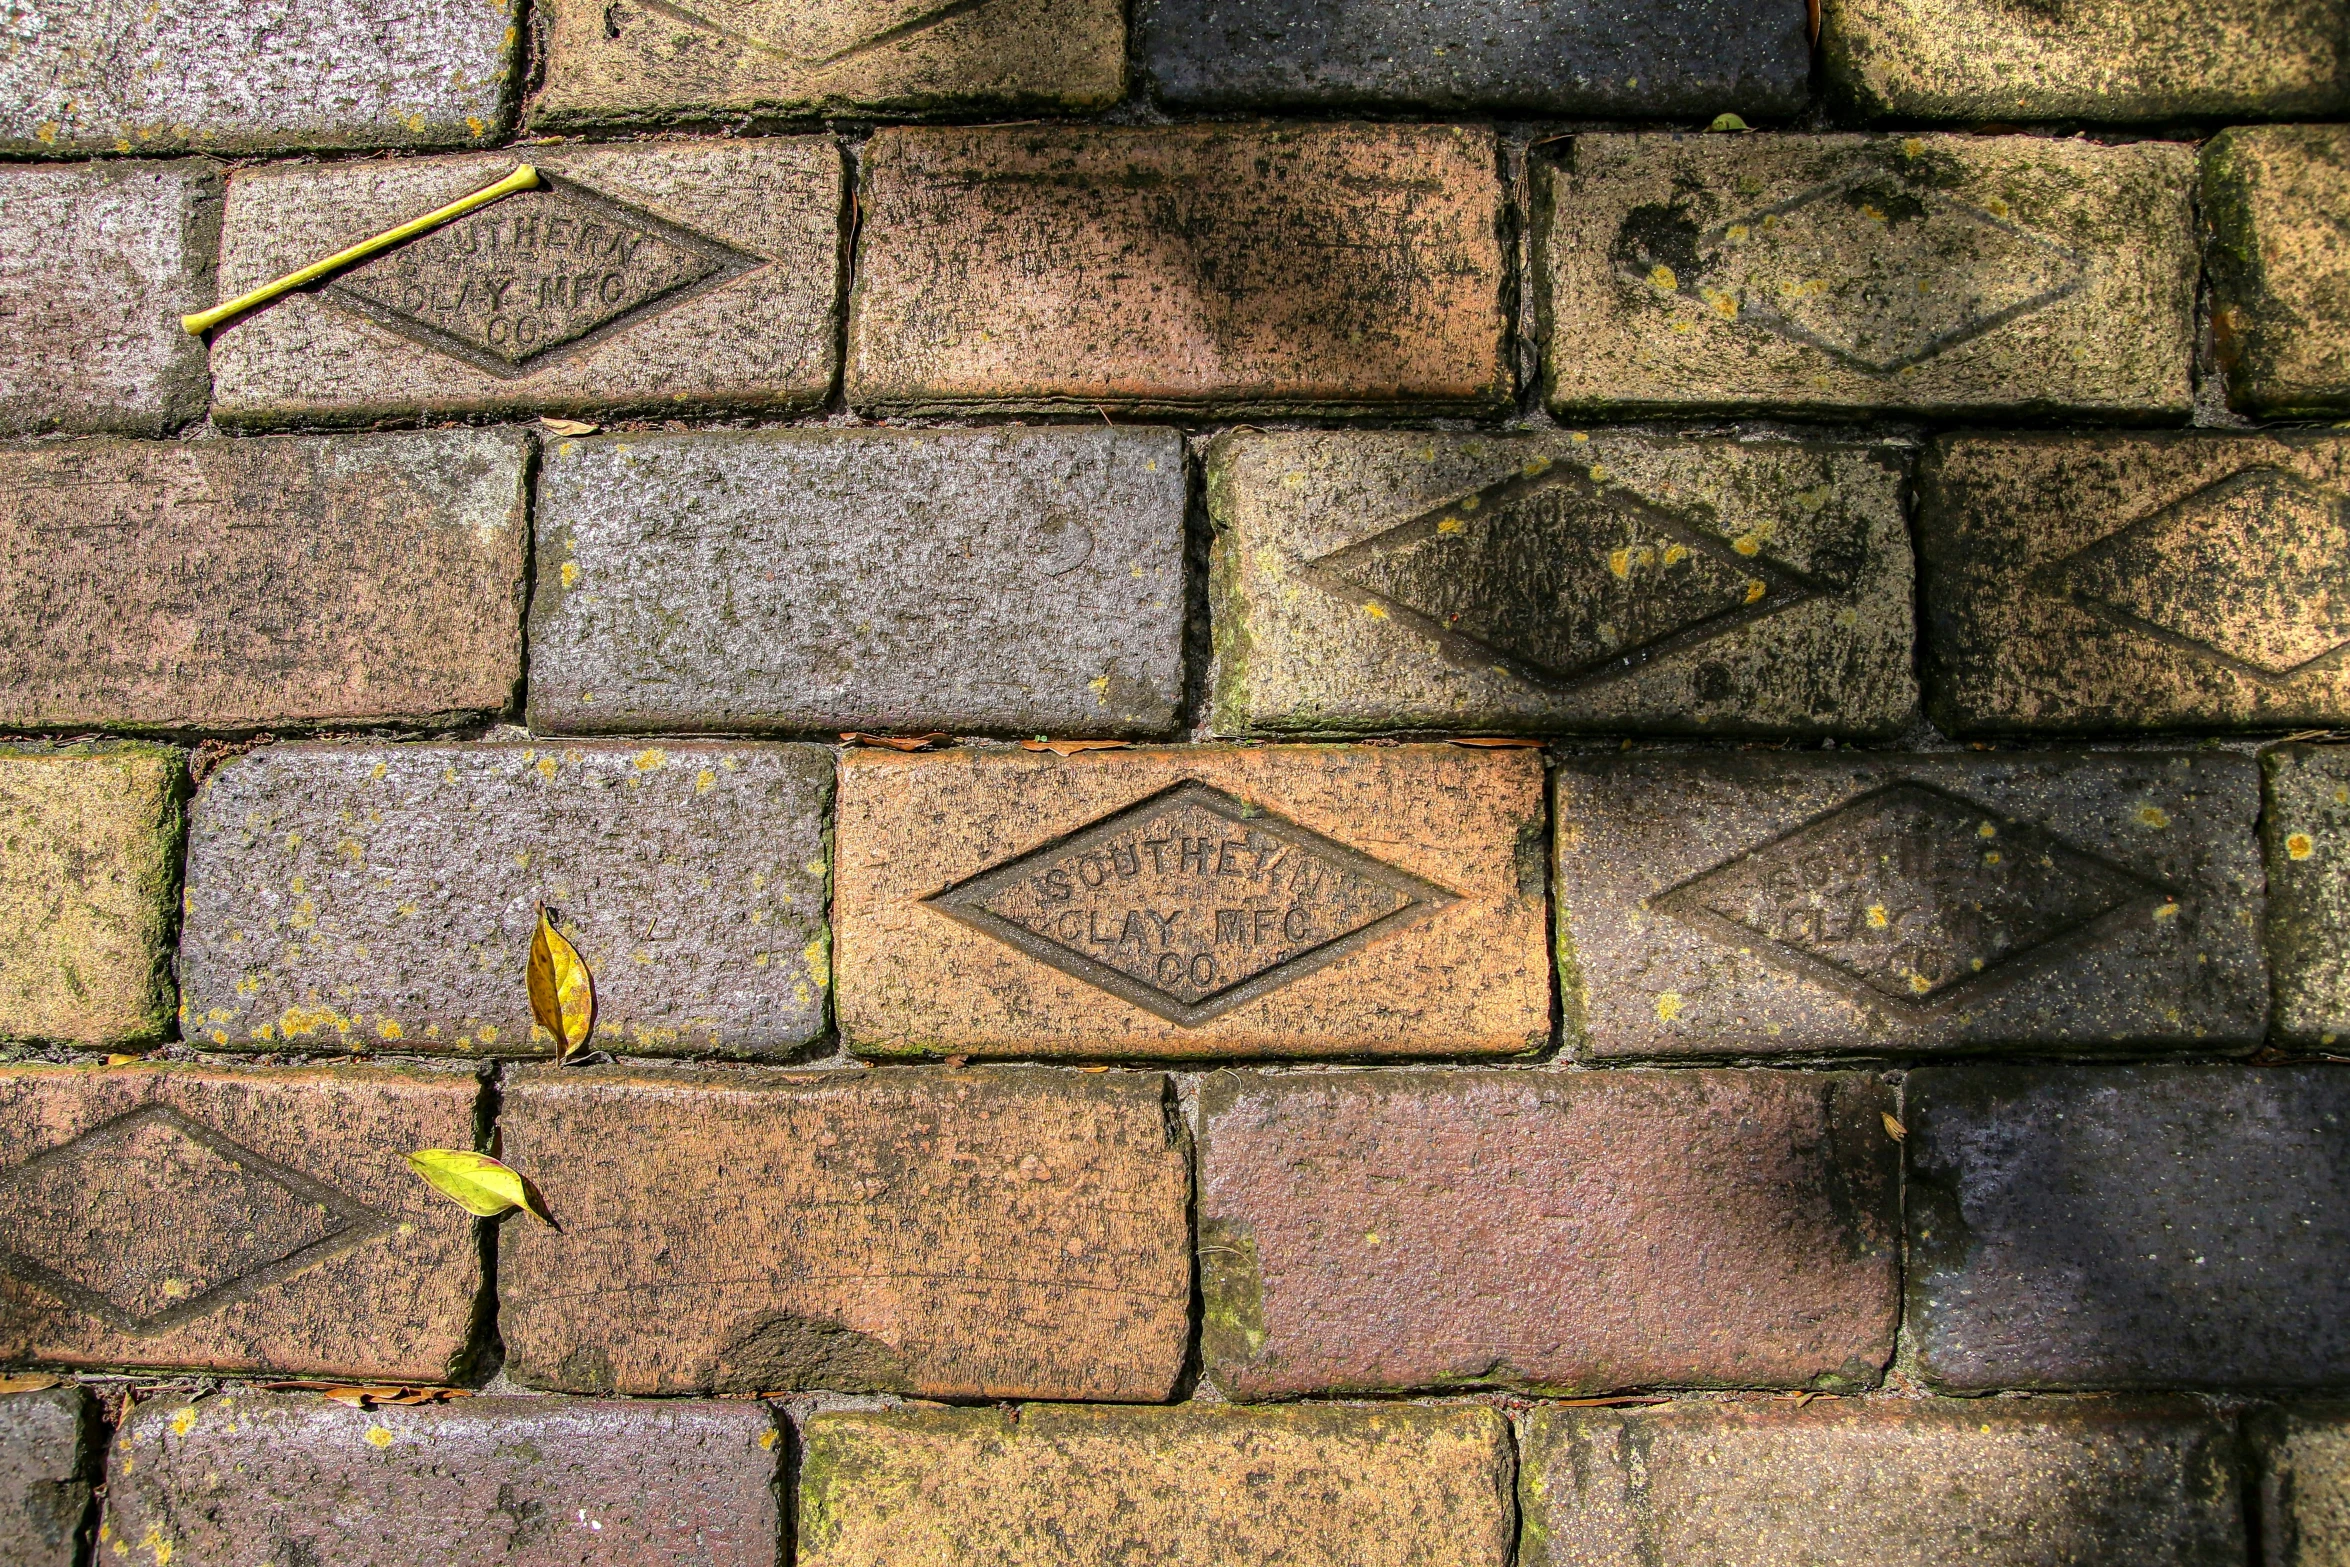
<point>2273,199</point>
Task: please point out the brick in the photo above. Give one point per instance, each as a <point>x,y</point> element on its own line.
<point>1369,582</point>
<point>1006,579</point>
<point>1249,266</point>
<point>709,283</point>
<point>235,1220</point>
<point>89,861</point>
<point>1847,275</point>
<point>98,262</point>
<point>1327,1486</point>
<point>2142,1226</point>
<point>2110,582</point>
<point>479,1482</point>
<point>2280,265</point>
<point>48,1449</point>
<point>2114,60</point>
<point>1192,902</point>
<point>1391,1231</point>
<point>1777,904</point>
<point>999,1233</point>
<point>233,77</point>
<point>227,585</point>
<point>630,62</point>
<point>1668,59</point>
<point>2305,834</point>
<point>1903,1482</point>
<point>2304,1496</point>
<point>371,897</point>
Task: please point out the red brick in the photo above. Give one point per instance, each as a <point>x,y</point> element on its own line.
<point>997,1233</point>
<point>1577,1231</point>
<point>234,1220</point>
<point>1240,266</point>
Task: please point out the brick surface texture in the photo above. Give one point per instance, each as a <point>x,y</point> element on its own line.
<point>1471,783</point>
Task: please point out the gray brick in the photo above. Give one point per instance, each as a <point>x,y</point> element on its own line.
<point>98,262</point>
<point>1769,903</point>
<point>233,585</point>
<point>477,1482</point>
<point>2130,1227</point>
<point>2273,196</point>
<point>1845,275</point>
<point>370,897</point>
<point>1658,59</point>
<point>2303,1453</point>
<point>2305,830</point>
<point>1372,582</point>
<point>47,1453</point>
<point>969,580</point>
<point>1901,1482</point>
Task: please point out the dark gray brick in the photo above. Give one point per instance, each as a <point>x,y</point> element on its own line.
<point>2305,829</point>
<point>46,1460</point>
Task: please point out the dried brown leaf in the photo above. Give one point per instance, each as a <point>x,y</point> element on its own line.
<point>370,1397</point>
<point>1072,747</point>
<point>1894,1129</point>
<point>567,426</point>
<point>29,1382</point>
<point>892,742</point>
<point>1612,1401</point>
<point>562,992</point>
<point>1813,21</point>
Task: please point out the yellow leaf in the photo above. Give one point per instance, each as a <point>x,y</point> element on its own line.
<point>477,1183</point>
<point>562,995</point>
<point>566,426</point>
<point>28,1382</point>
<point>1729,122</point>
<point>1894,1129</point>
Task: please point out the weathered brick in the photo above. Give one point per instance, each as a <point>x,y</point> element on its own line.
<point>631,62</point>
<point>1174,268</point>
<point>2130,1226</point>
<point>2303,1454</point>
<point>1401,1230</point>
<point>192,585</point>
<point>480,1482</point>
<point>1374,582</point>
<point>235,1220</point>
<point>2280,265</point>
<point>2305,831</point>
<point>89,859</point>
<point>98,262</point>
<point>2115,60</point>
<point>1194,901</point>
<point>1774,903</point>
<point>1906,1483</point>
<point>1000,1233</point>
<point>1850,274</point>
<point>653,276</point>
<point>966,580</point>
<point>370,896</point>
<point>47,1459</point>
<point>234,76</point>
<point>1327,1486</point>
<point>2095,583</point>
<point>1652,58</point>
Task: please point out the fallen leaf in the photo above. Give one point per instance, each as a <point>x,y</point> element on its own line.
<point>1814,20</point>
<point>1894,1129</point>
<point>1498,743</point>
<point>1072,747</point>
<point>1729,122</point>
<point>370,1397</point>
<point>1802,1398</point>
<point>562,993</point>
<point>29,1382</point>
<point>567,426</point>
<point>478,1183</point>
<point>893,742</point>
<point>120,1060</point>
<point>1614,1401</point>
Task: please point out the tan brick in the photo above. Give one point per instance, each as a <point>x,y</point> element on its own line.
<point>1232,266</point>
<point>1845,274</point>
<point>988,1234</point>
<point>653,276</point>
<point>89,864</point>
<point>235,1220</point>
<point>2304,1494</point>
<point>2273,196</point>
<point>1378,1231</point>
<point>1041,1486</point>
<point>225,585</point>
<point>2096,583</point>
<point>630,62</point>
<point>1902,1482</point>
<point>2087,59</point>
<point>1196,901</point>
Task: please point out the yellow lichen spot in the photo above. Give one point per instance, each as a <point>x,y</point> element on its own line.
<point>305,915</point>
<point>250,985</point>
<point>220,1036</point>
<point>546,767</point>
<point>1748,543</point>
<point>1599,473</point>
<point>489,1035</point>
<point>817,955</point>
<point>1577,438</point>
<point>1920,984</point>
<point>302,1022</point>
<point>1668,1006</point>
<point>175,1289</point>
<point>522,859</point>
<point>1450,525</point>
<point>293,841</point>
<point>760,959</point>
<point>1661,276</point>
<point>1990,856</point>
<point>2169,910</point>
<point>1877,917</point>
<point>2298,846</point>
<point>2153,816</point>
<point>1755,589</point>
<point>378,770</point>
<point>1375,611</point>
<point>405,910</point>
<point>387,1028</point>
<point>570,574</point>
<point>1722,304</point>
<point>1620,562</point>
<point>1536,467</point>
<point>474,124</point>
<point>1676,553</point>
<point>1987,830</point>
<point>184,1421</point>
<point>1735,232</point>
<point>1911,147</point>
<point>705,781</point>
<point>650,757</point>
<point>47,130</point>
<point>378,1437</point>
<point>767,1441</point>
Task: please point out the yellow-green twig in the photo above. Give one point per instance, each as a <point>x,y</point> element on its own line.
<point>203,321</point>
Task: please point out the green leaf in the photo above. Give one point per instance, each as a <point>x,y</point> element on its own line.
<point>1729,122</point>
<point>477,1183</point>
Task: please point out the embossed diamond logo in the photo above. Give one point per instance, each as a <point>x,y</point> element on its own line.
<point>2253,572</point>
<point>539,271</point>
<point>1545,576</point>
<point>814,33</point>
<point>1879,273</point>
<point>1191,903</point>
<point>1910,899</point>
<point>154,1219</point>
